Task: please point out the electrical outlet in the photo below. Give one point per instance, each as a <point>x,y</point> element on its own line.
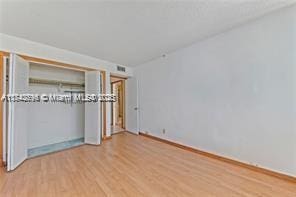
<point>163,131</point>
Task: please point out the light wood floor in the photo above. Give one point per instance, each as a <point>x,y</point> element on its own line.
<point>130,165</point>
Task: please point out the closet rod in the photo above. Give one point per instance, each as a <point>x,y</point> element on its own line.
<point>74,91</point>
<point>54,82</point>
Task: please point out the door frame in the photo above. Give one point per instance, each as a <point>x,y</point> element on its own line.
<point>122,81</point>
<point>2,55</point>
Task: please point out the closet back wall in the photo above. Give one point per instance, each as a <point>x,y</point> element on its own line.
<point>54,122</point>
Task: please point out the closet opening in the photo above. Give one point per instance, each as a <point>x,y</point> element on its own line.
<point>45,108</point>
<point>54,126</point>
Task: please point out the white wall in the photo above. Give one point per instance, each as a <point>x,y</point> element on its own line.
<point>54,122</point>
<point>26,47</point>
<point>232,94</point>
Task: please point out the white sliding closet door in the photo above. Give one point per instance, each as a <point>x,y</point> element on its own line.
<point>132,106</point>
<point>17,113</point>
<point>92,133</point>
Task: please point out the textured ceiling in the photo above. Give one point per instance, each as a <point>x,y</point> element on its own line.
<point>127,32</point>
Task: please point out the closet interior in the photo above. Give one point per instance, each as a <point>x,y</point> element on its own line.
<point>54,126</point>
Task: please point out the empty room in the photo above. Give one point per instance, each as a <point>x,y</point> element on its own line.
<point>147,98</point>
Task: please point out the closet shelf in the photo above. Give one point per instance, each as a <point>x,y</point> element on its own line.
<point>54,82</point>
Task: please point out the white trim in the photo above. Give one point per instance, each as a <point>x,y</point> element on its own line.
<point>4,115</point>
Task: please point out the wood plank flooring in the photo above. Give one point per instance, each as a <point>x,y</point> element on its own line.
<point>130,165</point>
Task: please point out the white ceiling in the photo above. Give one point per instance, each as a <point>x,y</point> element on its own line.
<point>127,32</point>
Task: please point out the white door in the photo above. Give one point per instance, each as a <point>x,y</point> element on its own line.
<point>17,113</point>
<point>132,105</point>
<point>92,132</point>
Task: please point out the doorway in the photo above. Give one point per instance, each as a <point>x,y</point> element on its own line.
<point>118,107</point>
